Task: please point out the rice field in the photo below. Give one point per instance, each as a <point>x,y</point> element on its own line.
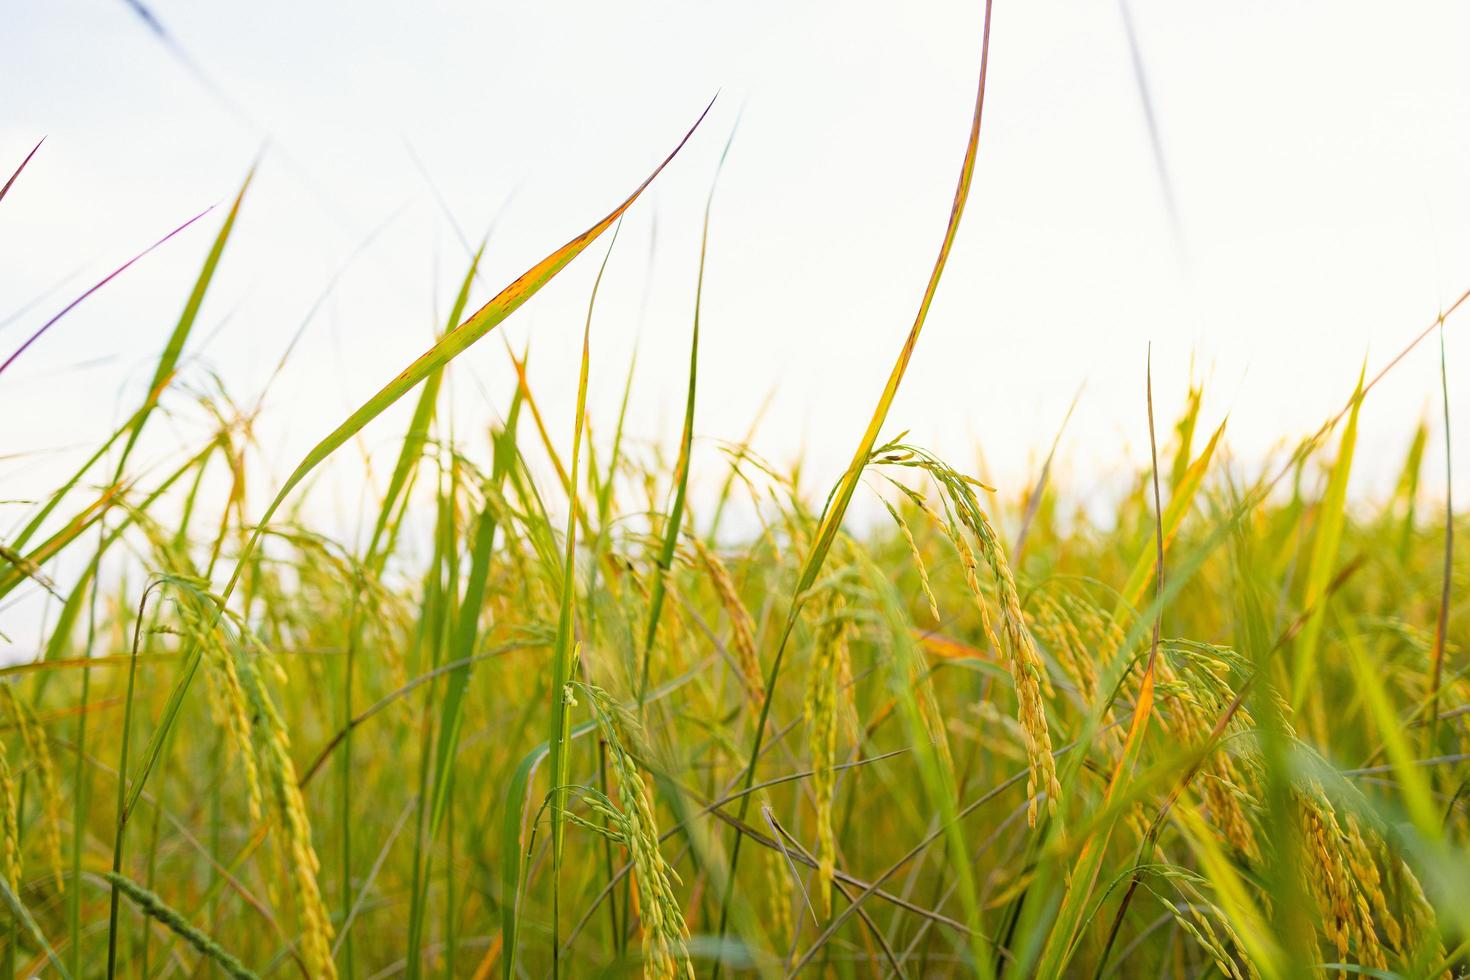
<point>579,720</point>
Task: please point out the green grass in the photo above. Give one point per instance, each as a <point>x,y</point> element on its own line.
<point>1219,731</point>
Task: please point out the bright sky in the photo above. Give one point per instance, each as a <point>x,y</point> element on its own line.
<point>1317,151</point>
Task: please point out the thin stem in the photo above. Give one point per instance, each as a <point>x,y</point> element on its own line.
<point>122,785</point>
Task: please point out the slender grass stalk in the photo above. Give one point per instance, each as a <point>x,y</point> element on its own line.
<point>1153,651</point>
<point>837,506</point>
<point>121,824</point>
<point>1442,620</point>
<point>564,651</point>
<point>673,524</point>
<point>81,785</point>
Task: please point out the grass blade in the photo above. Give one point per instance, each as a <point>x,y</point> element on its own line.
<point>675,518</point>
<point>842,496</point>
<point>564,652</point>
<point>102,282</point>
<point>1331,515</point>
<point>1442,620</point>
<point>23,916</point>
<point>11,182</point>
<point>168,362</point>
<point>456,342</point>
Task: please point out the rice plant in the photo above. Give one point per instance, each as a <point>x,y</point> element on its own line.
<point>575,726</point>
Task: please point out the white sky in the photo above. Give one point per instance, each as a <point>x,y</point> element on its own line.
<point>1318,151</point>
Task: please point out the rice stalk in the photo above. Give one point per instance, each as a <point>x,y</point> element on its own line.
<point>38,750</point>
<point>828,654</point>
<point>665,935</point>
<point>9,821</point>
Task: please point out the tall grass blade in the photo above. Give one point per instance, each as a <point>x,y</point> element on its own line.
<point>675,519</point>
<point>1442,620</point>
<point>16,174</point>
<point>98,285</point>
<point>564,652</point>
<point>456,342</point>
<point>1083,880</point>
<point>168,362</point>
<point>842,496</point>
<point>22,916</point>
<point>1331,515</point>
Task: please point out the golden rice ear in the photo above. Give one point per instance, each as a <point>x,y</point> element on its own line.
<point>1028,672</point>
<point>665,934</point>
<point>828,653</point>
<point>742,627</point>
<point>918,559</point>
<point>280,771</point>
<point>10,818</point>
<point>1197,917</point>
<point>38,749</point>
<point>1343,876</point>
<point>232,704</point>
